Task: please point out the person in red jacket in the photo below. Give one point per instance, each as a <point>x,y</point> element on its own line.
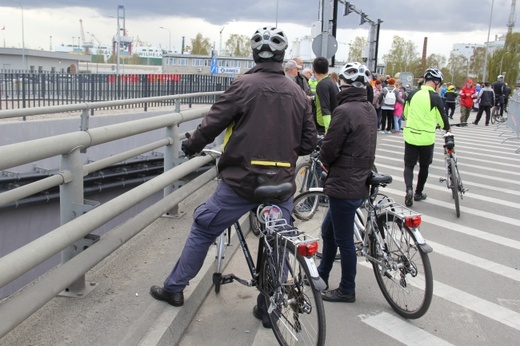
<point>467,94</point>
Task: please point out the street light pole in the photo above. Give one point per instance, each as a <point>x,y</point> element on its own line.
<point>169,38</point>
<point>24,65</point>
<point>487,42</point>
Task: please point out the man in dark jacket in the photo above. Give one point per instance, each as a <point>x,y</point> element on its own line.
<point>485,100</point>
<point>268,123</point>
<point>348,150</point>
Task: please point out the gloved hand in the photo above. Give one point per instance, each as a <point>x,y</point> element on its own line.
<point>186,150</point>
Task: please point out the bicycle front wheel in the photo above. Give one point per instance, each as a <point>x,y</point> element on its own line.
<point>294,304</point>
<point>455,186</point>
<point>402,269</point>
<point>305,177</point>
<point>309,211</point>
<point>493,114</point>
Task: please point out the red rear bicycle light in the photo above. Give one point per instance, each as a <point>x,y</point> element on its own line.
<point>308,249</point>
<point>412,221</point>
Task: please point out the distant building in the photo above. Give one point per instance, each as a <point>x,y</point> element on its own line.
<point>467,49</point>
<point>33,60</point>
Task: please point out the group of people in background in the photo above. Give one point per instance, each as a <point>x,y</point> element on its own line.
<point>480,97</point>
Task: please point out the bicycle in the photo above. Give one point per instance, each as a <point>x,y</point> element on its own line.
<point>389,238</point>
<point>308,174</point>
<point>453,180</point>
<point>495,113</point>
<point>285,272</point>
<point>311,212</point>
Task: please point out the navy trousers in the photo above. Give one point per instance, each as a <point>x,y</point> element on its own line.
<point>210,219</point>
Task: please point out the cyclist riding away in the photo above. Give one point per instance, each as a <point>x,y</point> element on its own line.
<point>268,123</point>
<point>499,88</point>
<point>423,110</point>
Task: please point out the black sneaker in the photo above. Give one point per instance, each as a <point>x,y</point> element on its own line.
<point>338,296</point>
<point>419,196</point>
<point>264,317</point>
<point>408,199</point>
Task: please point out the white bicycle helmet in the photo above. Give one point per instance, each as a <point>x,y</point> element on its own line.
<point>355,74</point>
<point>269,43</point>
<point>500,77</point>
<point>433,73</point>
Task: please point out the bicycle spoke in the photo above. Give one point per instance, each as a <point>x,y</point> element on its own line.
<point>398,267</point>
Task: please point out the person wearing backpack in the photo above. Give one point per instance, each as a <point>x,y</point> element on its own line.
<point>389,96</point>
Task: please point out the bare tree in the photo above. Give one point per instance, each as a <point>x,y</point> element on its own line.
<point>355,52</point>
<point>200,45</point>
<point>238,45</point>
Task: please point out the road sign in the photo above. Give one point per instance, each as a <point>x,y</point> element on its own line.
<point>318,43</point>
<point>214,66</point>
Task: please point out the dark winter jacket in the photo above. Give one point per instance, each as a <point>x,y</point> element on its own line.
<point>349,147</point>
<point>268,123</point>
<point>486,97</point>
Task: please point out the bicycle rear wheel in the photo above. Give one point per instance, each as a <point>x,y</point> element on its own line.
<point>403,270</point>
<point>305,177</point>
<point>294,304</point>
<point>309,211</point>
<point>454,186</point>
<point>493,114</point>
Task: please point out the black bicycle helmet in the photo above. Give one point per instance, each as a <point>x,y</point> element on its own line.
<point>434,74</point>
<point>355,74</point>
<point>269,43</point>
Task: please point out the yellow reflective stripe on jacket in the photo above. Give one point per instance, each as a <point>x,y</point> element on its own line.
<point>270,163</point>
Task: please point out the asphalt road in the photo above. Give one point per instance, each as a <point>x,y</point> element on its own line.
<point>475,260</point>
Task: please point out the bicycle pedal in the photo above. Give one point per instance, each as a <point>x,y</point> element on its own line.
<point>226,279</point>
<point>441,179</point>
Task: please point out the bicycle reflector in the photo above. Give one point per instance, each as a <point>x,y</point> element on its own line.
<point>412,221</point>
<point>308,249</point>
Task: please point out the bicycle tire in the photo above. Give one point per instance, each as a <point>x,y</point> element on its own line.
<point>305,177</point>
<point>308,214</point>
<point>493,115</point>
<point>406,278</point>
<point>297,313</point>
<point>454,186</point>
<point>254,224</point>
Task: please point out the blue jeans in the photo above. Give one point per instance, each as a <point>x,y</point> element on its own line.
<point>397,123</point>
<point>210,219</point>
<point>337,231</point>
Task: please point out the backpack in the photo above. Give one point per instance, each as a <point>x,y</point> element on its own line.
<point>389,99</point>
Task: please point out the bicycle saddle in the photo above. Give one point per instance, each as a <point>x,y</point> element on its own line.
<point>266,192</point>
<point>378,179</point>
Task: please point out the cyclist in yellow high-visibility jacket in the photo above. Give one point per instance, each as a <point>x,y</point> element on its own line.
<point>423,110</point>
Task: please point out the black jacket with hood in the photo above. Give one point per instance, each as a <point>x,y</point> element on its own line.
<point>349,147</point>
<point>268,123</point>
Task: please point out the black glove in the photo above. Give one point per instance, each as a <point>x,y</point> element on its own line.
<point>186,150</point>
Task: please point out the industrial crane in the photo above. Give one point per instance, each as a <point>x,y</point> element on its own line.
<point>86,44</point>
<point>512,15</point>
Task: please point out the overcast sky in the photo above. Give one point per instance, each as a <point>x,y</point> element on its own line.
<point>444,22</point>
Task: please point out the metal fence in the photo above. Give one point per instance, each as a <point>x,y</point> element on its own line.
<point>513,119</point>
<point>79,218</point>
<point>26,90</point>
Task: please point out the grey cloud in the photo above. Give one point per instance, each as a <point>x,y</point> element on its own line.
<point>406,15</point>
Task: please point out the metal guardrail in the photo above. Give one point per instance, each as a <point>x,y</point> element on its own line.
<point>513,118</point>
<point>79,217</point>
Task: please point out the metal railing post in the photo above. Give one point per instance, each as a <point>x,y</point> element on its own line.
<point>72,205</point>
<point>171,159</point>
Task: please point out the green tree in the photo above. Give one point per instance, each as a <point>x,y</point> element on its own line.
<point>403,56</point>
<point>238,45</point>
<point>200,45</point>
<point>457,69</point>
<point>357,47</point>
<point>506,61</point>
